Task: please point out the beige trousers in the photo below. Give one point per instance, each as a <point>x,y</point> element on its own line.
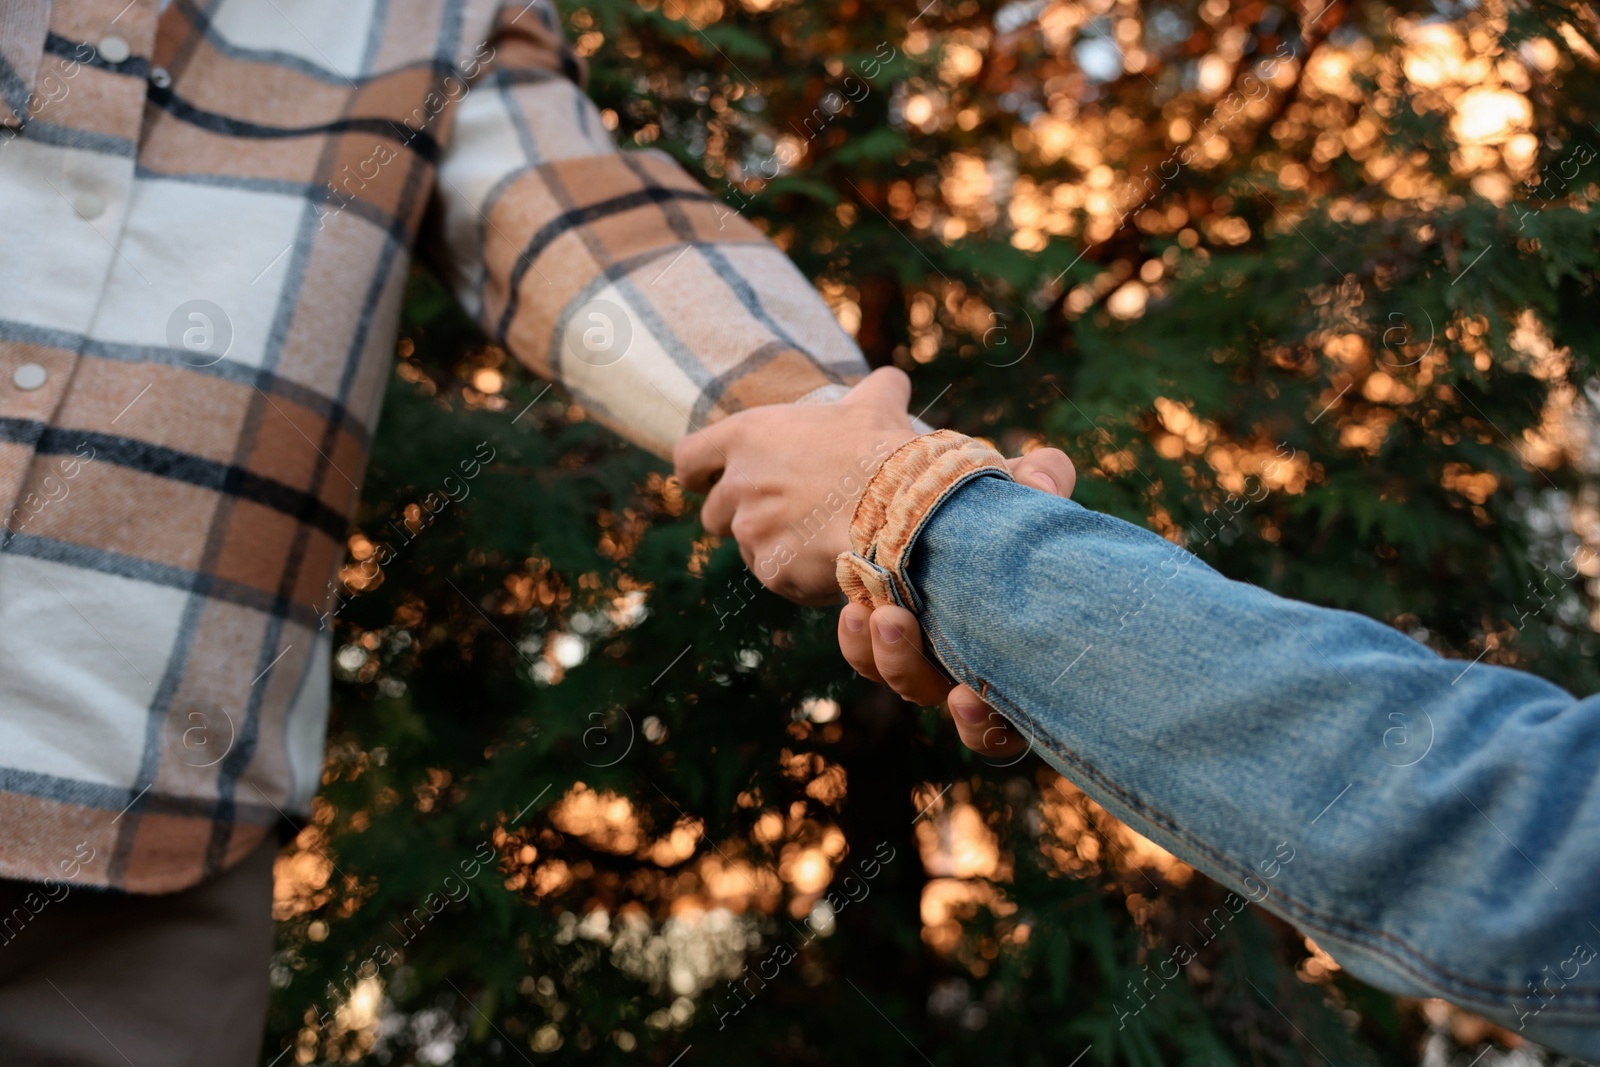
<point>96,978</point>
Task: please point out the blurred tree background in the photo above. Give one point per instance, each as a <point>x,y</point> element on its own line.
<point>1309,289</point>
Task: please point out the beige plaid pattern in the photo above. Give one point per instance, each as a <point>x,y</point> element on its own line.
<point>209,216</point>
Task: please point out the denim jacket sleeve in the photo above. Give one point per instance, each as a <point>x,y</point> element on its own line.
<point>1434,824</point>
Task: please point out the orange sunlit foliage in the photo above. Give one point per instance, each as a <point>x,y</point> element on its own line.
<point>1082,838</point>
<point>1088,169</point>
<point>604,820</point>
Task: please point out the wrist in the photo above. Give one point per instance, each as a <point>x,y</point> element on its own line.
<point>898,500</point>
<point>843,491</point>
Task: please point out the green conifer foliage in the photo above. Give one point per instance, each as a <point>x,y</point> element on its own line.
<point>1310,291</point>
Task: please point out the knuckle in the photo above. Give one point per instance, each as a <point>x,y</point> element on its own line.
<point>901,668</point>
<point>743,527</point>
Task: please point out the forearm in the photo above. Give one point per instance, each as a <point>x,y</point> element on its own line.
<point>656,304</point>
<point>1444,819</point>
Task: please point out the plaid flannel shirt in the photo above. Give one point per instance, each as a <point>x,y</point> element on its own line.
<point>209,212</point>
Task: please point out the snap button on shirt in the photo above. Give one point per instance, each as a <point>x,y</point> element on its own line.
<point>89,205</point>
<point>114,49</point>
<point>29,376</point>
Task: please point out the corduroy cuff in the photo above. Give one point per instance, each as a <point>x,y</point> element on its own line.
<point>904,492</point>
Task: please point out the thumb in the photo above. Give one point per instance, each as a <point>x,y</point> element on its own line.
<point>1045,468</point>
<point>886,387</point>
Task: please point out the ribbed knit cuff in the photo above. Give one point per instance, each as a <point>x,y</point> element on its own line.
<point>904,492</point>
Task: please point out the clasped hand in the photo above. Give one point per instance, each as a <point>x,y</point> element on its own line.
<point>783,481</point>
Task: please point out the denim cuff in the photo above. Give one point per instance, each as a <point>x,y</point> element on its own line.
<point>904,492</point>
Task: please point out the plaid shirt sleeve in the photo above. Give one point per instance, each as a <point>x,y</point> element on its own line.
<point>614,272</point>
<point>209,215</point>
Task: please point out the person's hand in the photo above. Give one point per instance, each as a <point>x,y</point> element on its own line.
<point>885,645</point>
<point>784,479</point>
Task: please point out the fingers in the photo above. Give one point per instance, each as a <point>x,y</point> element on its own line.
<point>1045,468</point>
<point>700,457</point>
<point>855,641</point>
<point>722,503</point>
<point>903,667</point>
<point>983,729</point>
<point>888,387</point>
<point>700,461</point>
<point>897,652</point>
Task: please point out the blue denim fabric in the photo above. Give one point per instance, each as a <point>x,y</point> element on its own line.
<point>1443,818</point>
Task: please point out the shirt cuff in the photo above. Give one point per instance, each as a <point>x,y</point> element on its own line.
<point>831,393</point>
<point>834,392</point>
<point>897,502</point>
